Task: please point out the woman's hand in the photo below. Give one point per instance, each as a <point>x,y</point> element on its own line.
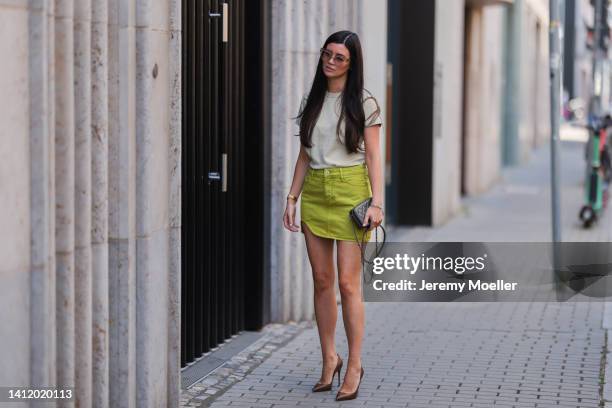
<point>374,216</point>
<point>289,216</point>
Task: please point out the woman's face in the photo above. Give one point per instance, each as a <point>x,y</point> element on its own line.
<point>336,67</point>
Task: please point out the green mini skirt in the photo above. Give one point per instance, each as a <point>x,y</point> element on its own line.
<point>327,197</point>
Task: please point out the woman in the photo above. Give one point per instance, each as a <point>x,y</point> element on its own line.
<point>339,166</point>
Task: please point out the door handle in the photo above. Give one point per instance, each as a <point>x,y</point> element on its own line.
<point>222,176</point>
<point>225,20</point>
<point>224,172</point>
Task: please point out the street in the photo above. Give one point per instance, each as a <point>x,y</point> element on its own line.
<point>153,155</point>
<point>459,354</point>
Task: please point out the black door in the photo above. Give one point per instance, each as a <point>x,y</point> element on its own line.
<point>214,187</point>
<point>411,38</point>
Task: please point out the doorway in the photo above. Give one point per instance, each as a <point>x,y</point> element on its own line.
<point>223,280</point>
<point>411,46</point>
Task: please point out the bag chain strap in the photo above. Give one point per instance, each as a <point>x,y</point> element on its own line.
<point>362,246</point>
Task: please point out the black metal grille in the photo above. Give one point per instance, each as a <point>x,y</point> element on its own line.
<point>213,122</point>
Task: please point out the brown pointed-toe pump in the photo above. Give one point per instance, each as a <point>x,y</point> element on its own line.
<point>319,386</point>
<point>343,396</point>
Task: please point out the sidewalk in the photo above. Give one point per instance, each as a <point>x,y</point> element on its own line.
<point>461,354</point>
<point>517,208</point>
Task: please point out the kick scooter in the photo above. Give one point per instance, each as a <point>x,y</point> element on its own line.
<point>599,173</point>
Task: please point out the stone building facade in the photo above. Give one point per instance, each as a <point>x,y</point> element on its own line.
<point>90,150</point>
<point>492,71</point>
<point>91,163</point>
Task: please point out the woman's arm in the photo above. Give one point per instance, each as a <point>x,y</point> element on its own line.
<point>299,174</point>
<point>373,161</point>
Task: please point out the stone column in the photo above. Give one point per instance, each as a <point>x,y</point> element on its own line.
<point>82,206</point>
<point>42,201</point>
<point>121,210</point>
<point>99,204</point>
<point>152,39</point>
<point>447,115</point>
<point>64,193</point>
<point>15,177</point>
<point>175,202</point>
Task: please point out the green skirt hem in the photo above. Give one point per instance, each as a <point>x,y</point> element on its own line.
<point>318,233</point>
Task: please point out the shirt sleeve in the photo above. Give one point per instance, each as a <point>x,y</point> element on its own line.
<point>373,115</point>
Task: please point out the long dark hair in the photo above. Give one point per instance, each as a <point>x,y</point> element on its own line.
<point>352,96</point>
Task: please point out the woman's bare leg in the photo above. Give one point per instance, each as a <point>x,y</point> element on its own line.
<point>353,314</point>
<point>321,252</point>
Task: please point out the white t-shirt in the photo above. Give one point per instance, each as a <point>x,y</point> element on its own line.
<point>327,150</point>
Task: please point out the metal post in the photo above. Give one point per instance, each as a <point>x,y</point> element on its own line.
<point>556,63</point>
<point>597,59</point>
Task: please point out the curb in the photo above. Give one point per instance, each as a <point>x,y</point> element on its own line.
<point>218,381</point>
<point>606,382</point>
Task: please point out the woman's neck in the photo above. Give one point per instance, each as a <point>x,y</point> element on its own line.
<point>336,84</point>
